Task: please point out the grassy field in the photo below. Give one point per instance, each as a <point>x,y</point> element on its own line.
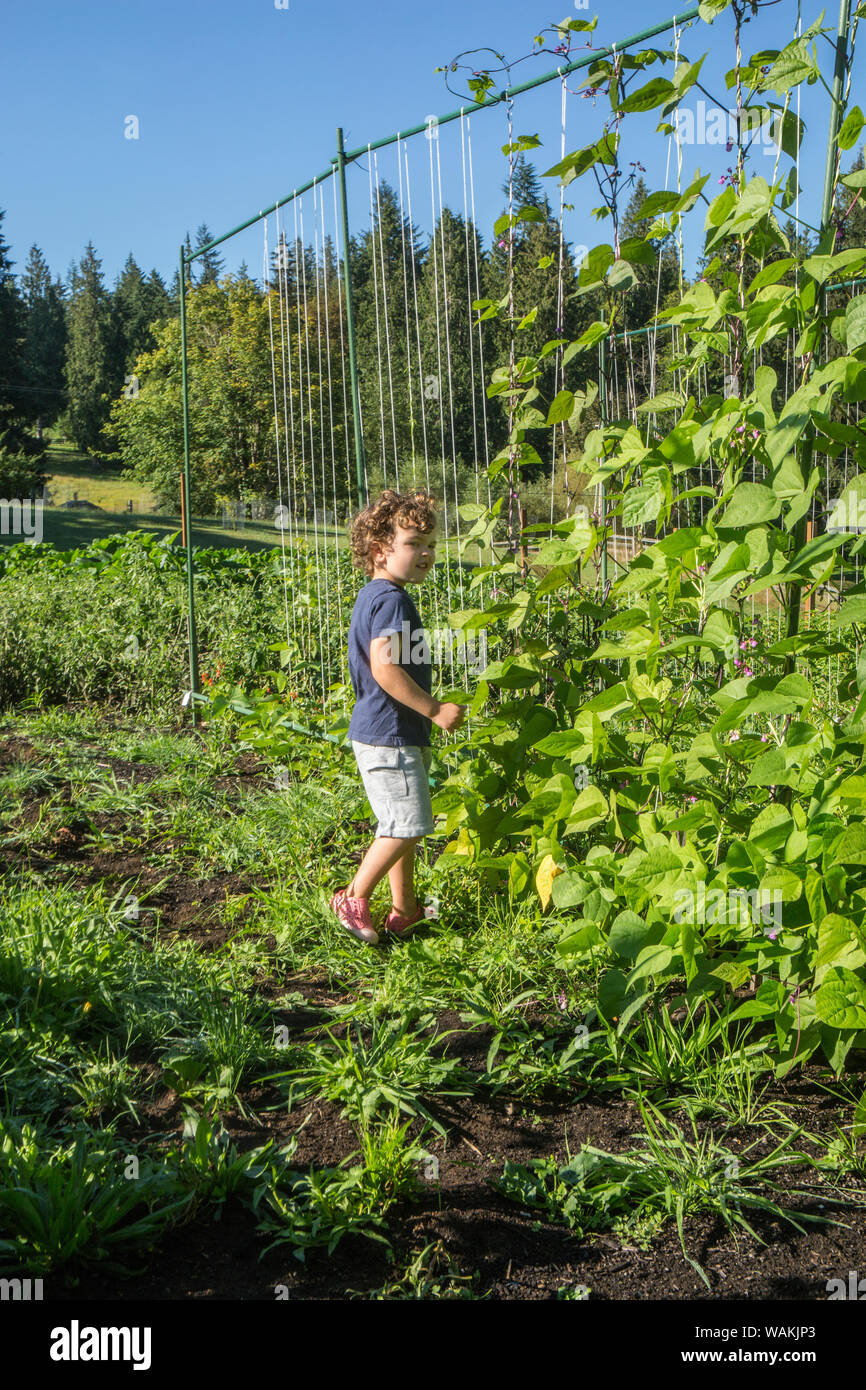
<point>67,530</point>
<point>71,472</point>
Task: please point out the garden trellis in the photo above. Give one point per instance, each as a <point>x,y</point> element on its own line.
<point>406,417</point>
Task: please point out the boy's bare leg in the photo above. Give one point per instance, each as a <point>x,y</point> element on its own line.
<point>384,852</point>
<point>402,877</point>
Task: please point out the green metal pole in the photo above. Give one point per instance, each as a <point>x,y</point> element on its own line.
<point>193,641</point>
<point>808,438</point>
<point>838,79</point>
<point>360,468</point>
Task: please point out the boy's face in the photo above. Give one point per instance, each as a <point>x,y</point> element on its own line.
<point>409,559</point>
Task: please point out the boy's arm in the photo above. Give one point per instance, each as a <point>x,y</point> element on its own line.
<point>397,682</point>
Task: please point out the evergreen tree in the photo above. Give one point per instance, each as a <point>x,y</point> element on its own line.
<point>281,267</point>
<point>131,308</point>
<point>22,458</point>
<point>386,263</point>
<point>158,302</point>
<point>331,266</point>
<point>20,455</point>
<point>658,277</point>
<point>528,258</point>
<point>44,348</point>
<point>642,361</point>
<point>210,265</point>
<point>305,307</point>
<point>526,191</point>
<point>91,370</point>
<point>453,361</point>
<point>244,273</point>
<point>11,330</point>
<point>292,270</point>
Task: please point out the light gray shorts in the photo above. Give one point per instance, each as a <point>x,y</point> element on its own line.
<point>397,787</point>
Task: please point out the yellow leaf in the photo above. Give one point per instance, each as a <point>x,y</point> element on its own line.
<point>462,845</point>
<point>547,871</point>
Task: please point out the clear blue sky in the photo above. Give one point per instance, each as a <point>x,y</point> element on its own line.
<point>238,102</point>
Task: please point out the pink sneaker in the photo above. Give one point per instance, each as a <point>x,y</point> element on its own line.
<point>354,913</point>
<point>402,926</point>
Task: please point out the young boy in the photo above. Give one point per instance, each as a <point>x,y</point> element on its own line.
<point>393,541</point>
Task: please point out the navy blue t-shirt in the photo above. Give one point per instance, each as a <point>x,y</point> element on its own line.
<point>381,608</point>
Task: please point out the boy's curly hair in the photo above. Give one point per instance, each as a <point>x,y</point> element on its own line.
<point>374,527</point>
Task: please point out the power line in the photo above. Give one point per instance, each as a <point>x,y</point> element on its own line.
<point>53,390</point>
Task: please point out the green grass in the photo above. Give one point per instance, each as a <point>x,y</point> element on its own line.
<point>68,530</point>
<point>70,471</point>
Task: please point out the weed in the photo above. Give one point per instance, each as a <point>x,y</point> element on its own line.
<point>389,1072</point>
<point>673,1177</point>
<point>429,1273</point>
<point>73,1202</point>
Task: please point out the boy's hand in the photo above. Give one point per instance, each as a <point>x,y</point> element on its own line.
<point>450,716</point>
